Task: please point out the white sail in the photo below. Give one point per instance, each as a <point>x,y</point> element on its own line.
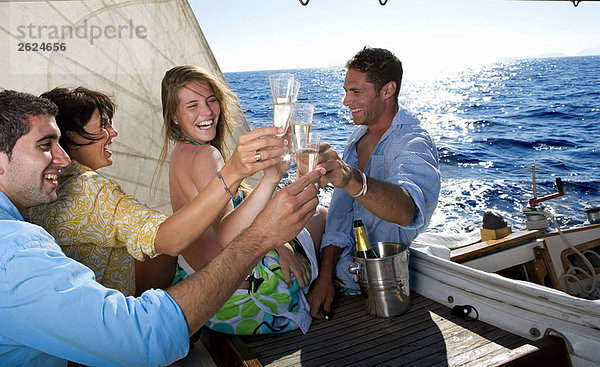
<point>119,47</point>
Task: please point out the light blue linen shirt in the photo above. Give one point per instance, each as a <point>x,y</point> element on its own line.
<point>52,310</point>
<point>406,156</point>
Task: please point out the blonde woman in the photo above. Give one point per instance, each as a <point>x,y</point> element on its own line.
<point>196,111</point>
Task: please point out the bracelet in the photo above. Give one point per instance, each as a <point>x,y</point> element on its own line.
<point>364,185</point>
<point>225,185</point>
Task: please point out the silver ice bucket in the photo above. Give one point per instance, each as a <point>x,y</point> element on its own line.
<point>384,281</point>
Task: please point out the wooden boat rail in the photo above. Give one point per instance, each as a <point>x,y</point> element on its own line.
<point>483,248</point>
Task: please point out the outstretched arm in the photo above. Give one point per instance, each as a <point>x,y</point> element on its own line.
<point>387,201</point>
<point>194,218</point>
<point>239,219</point>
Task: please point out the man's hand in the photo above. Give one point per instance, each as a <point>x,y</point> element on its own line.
<point>322,292</point>
<point>321,296</point>
<point>290,209</point>
<point>339,174</point>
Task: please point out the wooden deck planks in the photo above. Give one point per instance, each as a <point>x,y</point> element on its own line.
<point>428,335</point>
<point>343,334</point>
<point>429,345</point>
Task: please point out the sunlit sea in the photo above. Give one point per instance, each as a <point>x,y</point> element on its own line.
<point>491,123</point>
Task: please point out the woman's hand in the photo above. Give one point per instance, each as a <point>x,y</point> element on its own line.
<point>275,172</point>
<point>256,150</point>
<point>293,263</point>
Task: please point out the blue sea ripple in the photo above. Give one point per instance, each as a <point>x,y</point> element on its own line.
<point>490,123</point>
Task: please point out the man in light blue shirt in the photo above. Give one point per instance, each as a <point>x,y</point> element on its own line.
<point>51,308</point>
<point>388,177</point>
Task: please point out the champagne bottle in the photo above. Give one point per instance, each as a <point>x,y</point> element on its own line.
<point>363,246</point>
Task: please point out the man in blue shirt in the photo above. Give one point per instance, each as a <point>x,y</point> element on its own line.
<point>51,308</point>
<point>388,177</point>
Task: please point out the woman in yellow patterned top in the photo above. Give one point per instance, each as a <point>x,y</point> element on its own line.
<point>99,225</point>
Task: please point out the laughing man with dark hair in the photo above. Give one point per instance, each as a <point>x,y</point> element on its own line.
<point>388,176</point>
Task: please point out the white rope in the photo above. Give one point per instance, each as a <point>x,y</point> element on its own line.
<point>525,272</point>
<point>593,291</point>
<point>593,254</point>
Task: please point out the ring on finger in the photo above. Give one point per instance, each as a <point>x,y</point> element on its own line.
<point>257,157</point>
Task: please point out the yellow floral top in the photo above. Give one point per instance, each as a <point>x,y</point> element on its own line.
<point>99,225</point>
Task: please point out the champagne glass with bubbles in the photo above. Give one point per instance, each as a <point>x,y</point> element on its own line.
<point>307,153</point>
<point>306,147</point>
<point>301,122</point>
<point>285,91</point>
<point>305,142</point>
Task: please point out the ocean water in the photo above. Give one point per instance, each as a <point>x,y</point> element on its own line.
<point>491,123</point>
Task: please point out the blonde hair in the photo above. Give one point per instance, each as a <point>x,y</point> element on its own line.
<point>173,81</point>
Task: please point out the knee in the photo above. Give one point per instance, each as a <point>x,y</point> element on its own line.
<point>316,225</point>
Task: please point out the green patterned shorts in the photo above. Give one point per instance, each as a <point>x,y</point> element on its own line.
<point>268,306</point>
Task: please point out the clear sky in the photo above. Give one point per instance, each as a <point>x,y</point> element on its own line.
<point>279,34</point>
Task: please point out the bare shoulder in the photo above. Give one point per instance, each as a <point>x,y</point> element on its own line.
<point>207,157</point>
<point>188,155</point>
<point>195,163</point>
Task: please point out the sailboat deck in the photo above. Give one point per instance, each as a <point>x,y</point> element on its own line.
<point>427,335</point>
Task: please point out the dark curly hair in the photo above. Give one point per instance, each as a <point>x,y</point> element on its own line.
<point>15,110</point>
<point>75,109</point>
<point>381,67</point>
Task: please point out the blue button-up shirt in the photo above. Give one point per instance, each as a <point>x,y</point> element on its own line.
<point>52,310</point>
<point>406,156</point>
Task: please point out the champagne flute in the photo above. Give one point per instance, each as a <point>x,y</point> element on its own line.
<point>307,153</point>
<point>285,91</point>
<point>302,116</point>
